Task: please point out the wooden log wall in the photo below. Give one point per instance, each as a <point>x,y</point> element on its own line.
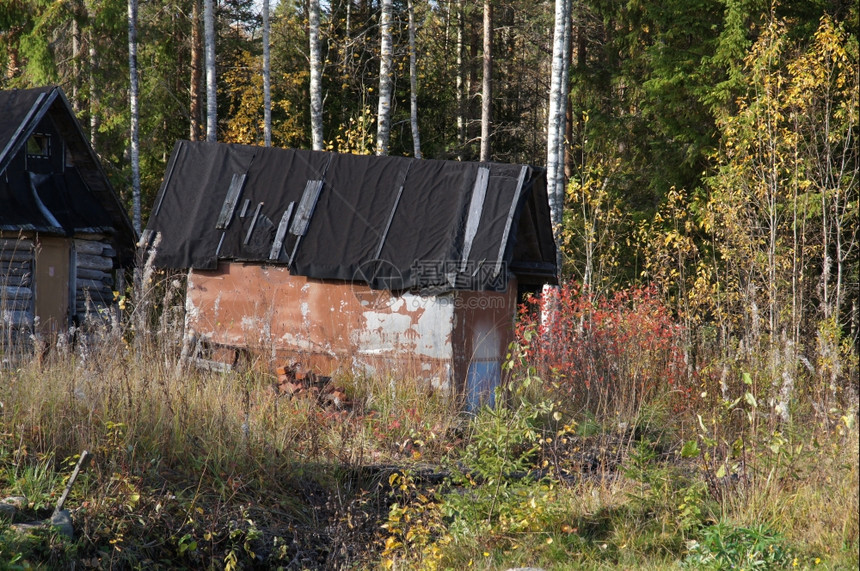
<point>16,283</point>
<point>93,277</point>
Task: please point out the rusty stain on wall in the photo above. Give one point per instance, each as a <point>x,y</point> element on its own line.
<point>335,326</point>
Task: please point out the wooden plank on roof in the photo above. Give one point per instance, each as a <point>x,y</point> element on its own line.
<point>220,243</point>
<point>253,224</point>
<point>306,208</point>
<point>388,223</point>
<point>236,185</point>
<point>393,211</point>
<point>511,212</point>
<point>166,183</point>
<point>476,208</point>
<point>275,253</point>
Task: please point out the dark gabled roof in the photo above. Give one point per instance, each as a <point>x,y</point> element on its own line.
<point>79,197</point>
<point>393,222</point>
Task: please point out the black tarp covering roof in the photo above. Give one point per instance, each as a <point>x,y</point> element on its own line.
<point>76,196</point>
<point>392,222</point>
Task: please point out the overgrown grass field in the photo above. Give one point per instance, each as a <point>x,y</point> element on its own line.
<point>611,448</point>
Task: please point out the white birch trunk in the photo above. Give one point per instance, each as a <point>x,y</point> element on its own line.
<point>316,76</point>
<point>135,114</point>
<point>461,119</point>
<point>93,100</point>
<point>383,114</point>
<point>555,122</point>
<point>348,20</point>
<point>413,83</point>
<point>211,85</point>
<point>565,84</point>
<point>487,89</point>
<point>267,86</point>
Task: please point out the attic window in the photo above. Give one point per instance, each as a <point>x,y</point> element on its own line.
<point>39,145</point>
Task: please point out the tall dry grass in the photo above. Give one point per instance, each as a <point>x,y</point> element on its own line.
<point>232,446</point>
<point>122,388</point>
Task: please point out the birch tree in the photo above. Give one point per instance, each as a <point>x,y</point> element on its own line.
<point>76,57</point>
<point>413,83</point>
<point>556,114</point>
<point>135,113</point>
<point>316,76</point>
<point>211,86</point>
<point>460,81</point>
<point>487,89</point>
<point>383,114</point>
<point>267,87</point>
<point>94,98</point>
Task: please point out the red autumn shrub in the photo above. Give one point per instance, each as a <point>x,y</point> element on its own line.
<point>610,355</point>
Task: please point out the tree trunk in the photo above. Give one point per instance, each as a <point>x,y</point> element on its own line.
<point>564,142</point>
<point>196,104</point>
<point>135,113</point>
<point>383,129</point>
<point>461,84</point>
<point>76,61</point>
<point>413,82</point>
<point>211,85</point>
<point>556,119</point>
<point>94,96</point>
<point>267,86</point>
<point>487,90</point>
<point>348,21</point>
<point>316,76</point>
<point>575,125</point>
<point>13,68</point>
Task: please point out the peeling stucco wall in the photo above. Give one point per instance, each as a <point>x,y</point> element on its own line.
<point>323,324</point>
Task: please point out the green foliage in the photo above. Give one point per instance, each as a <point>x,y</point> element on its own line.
<point>499,465</point>
<point>724,546</point>
<point>666,493</point>
<point>713,156</point>
<point>39,483</point>
<point>771,170</point>
<point>414,529</point>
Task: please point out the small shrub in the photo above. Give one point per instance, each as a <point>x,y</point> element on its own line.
<point>414,531</point>
<point>723,546</point>
<point>610,355</point>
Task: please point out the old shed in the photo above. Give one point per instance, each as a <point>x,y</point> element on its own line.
<point>63,230</point>
<point>344,261</point>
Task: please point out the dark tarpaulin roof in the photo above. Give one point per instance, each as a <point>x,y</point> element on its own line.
<point>80,198</point>
<point>393,222</point>
<point>18,110</point>
<point>64,196</point>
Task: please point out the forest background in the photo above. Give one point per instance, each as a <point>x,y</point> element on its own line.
<point>710,147</point>
<point>711,164</point>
